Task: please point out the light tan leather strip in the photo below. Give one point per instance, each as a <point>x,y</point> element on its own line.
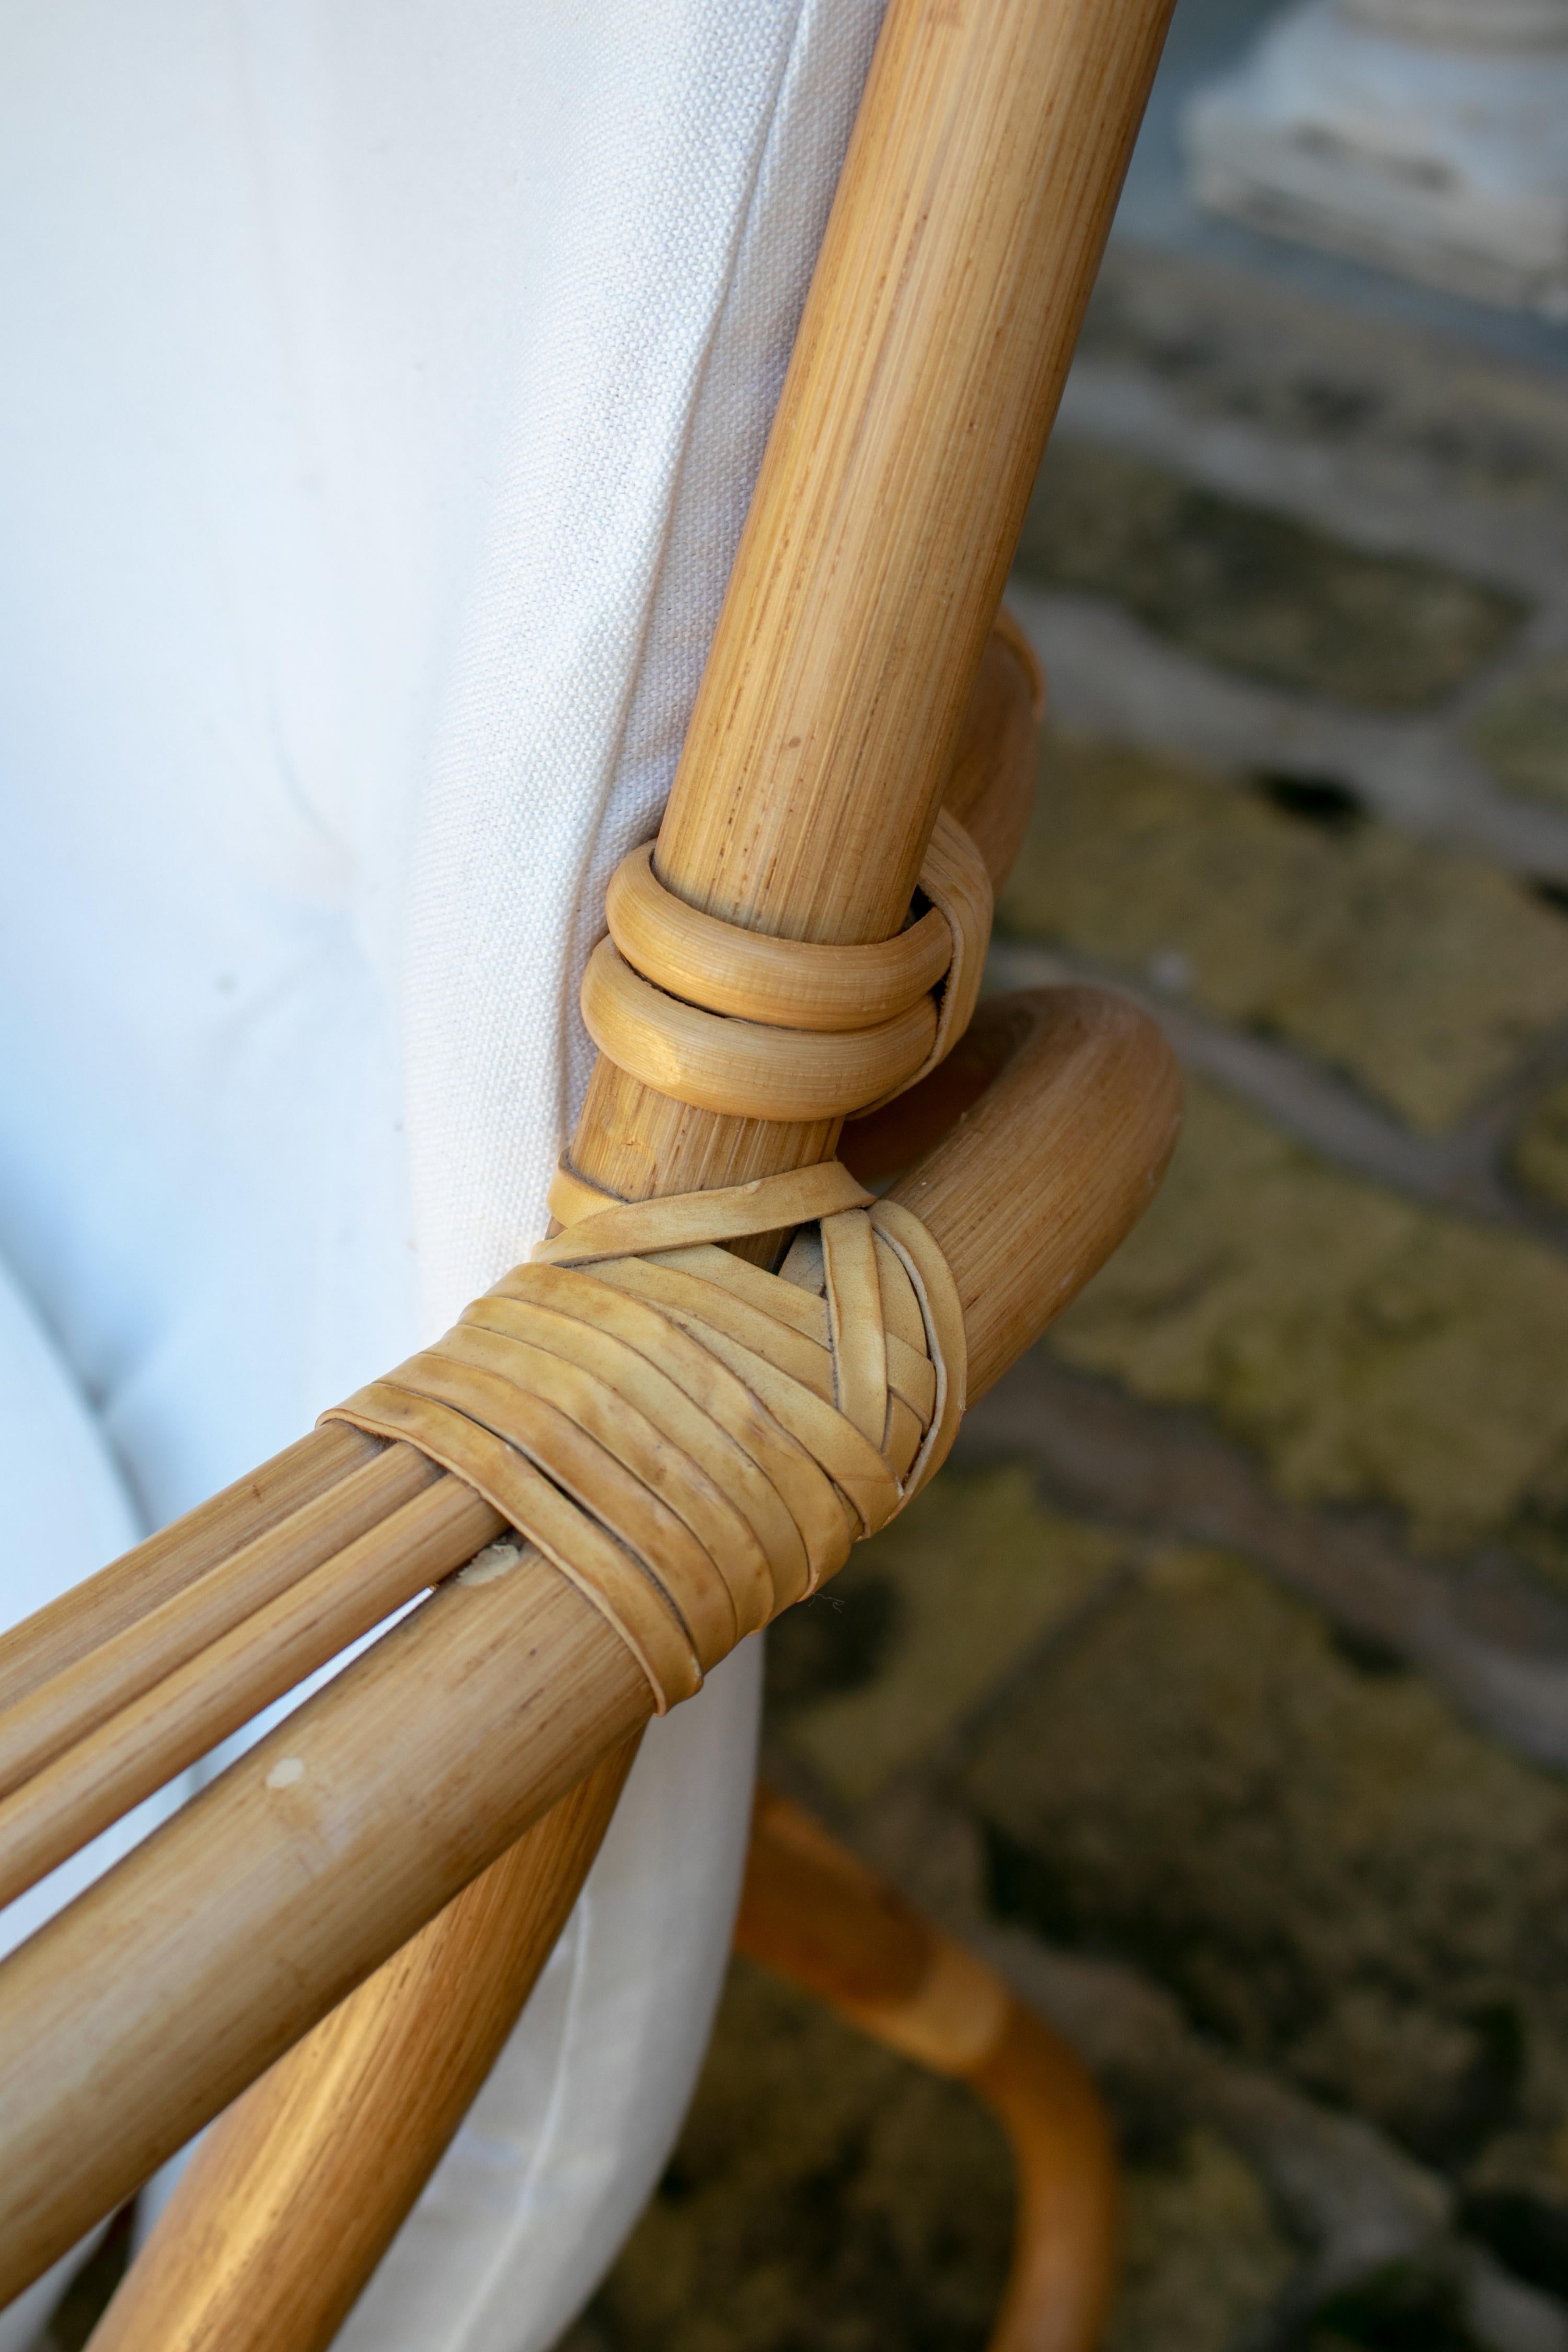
<point>956,880</point>
<point>902,1441</point>
<point>737,1022</point>
<point>901,1307</point>
<point>731,1506</point>
<point>740,1068</point>
<point>692,1440</point>
<point>659,1507</point>
<point>787,984</point>
<point>859,1358</point>
<point>855,1467</point>
<point>644,1615</point>
<point>913,1377</point>
<point>693,1300</point>
<point>730,1213</point>
<point>770,1480</point>
<point>759,1289</point>
<point>589,1475</point>
<point>804,1485</point>
<point>943,1313</point>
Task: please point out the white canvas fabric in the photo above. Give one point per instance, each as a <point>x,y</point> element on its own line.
<point>384,386</point>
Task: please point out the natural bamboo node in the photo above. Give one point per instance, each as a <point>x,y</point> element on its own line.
<point>693,1441</point>
<point>753,1026</point>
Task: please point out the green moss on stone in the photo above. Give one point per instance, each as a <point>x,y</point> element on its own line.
<point>976,1572</point>
<point>1420,972</point>
<point>1272,598</point>
<point>825,2197</point>
<point>1539,1155</point>
<point>1335,1875</point>
<point>1371,1350</point>
<point>1203,2262</point>
<point>1522,730</point>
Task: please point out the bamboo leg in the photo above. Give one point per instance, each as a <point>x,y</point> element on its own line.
<point>975,203</point>
<point>270,2237</point>
<point>813,1912</point>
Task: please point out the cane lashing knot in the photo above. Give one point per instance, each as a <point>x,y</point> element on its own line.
<point>693,1441</point>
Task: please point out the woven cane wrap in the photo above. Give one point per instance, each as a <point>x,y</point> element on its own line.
<point>736,1022</point>
<point>696,1443</point>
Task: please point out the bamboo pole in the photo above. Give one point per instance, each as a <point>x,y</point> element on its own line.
<point>277,2260</point>
<point>133,1662</point>
<point>137,2013</point>
<point>102,1606</point>
<point>212,1693</point>
<point>973,206</point>
<point>250,2255</point>
<point>89,1743</point>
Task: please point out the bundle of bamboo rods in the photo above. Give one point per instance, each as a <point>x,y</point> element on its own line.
<point>964,237</point>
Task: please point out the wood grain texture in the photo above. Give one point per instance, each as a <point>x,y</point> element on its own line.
<point>227,2264</point>
<point>141,2012</point>
<point>141,1745</point>
<point>288,2203</point>
<point>814,1912</point>
<point>143,1578</point>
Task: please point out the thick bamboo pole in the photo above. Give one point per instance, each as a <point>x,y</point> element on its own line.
<point>269,2262</point>
<point>974,203</point>
<point>144,1579</point>
<point>250,2255</point>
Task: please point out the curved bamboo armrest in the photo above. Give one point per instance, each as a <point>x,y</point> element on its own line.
<point>158,1996</point>
<point>814,1913</point>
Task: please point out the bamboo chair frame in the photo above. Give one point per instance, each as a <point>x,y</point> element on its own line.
<point>968,225</point>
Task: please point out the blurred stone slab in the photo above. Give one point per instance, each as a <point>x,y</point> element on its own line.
<point>1369,1350</point>
<point>1521,731</point>
<point>1336,1876</point>
<point>1420,972</point>
<point>1265,596</point>
<point>1425,136</point>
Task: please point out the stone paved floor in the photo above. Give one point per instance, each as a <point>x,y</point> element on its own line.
<point>1219,1690</point>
